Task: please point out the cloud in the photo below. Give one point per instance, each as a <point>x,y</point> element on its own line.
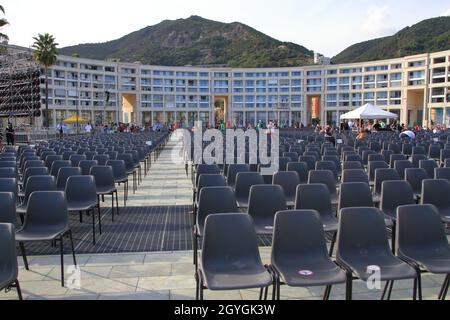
<point>378,21</point>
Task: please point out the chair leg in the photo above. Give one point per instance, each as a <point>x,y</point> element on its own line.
<point>73,248</point>
<point>261,291</point>
<point>415,289</point>
<point>197,286</point>
<point>81,217</point>
<point>419,285</point>
<point>348,287</point>
<point>444,289</point>
<point>93,226</point>
<point>393,236</point>
<point>61,249</point>
<point>385,290</point>
<point>19,291</point>
<point>99,217</point>
<point>333,241</point>
<point>117,202</point>
<point>266,293</point>
<point>326,295</point>
<point>390,290</point>
<point>112,206</point>
<point>24,255</point>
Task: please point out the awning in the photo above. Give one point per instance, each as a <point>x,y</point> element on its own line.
<point>73,120</point>
<point>368,111</point>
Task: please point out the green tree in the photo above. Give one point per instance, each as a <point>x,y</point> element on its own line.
<point>45,53</point>
<point>3,22</point>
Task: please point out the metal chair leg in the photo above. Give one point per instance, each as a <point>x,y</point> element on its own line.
<point>24,255</point>
<point>19,291</point>
<point>117,202</point>
<point>333,241</point>
<point>444,289</point>
<point>61,249</point>
<point>93,226</point>
<point>73,248</point>
<point>349,284</point>
<point>99,217</point>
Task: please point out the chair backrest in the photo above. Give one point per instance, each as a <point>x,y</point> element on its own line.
<point>7,164</point>
<point>66,154</point>
<point>214,200</point>
<point>46,210</point>
<point>8,185</point>
<point>384,175</point>
<point>354,175</point>
<point>396,157</point>
<point>415,159</point>
<point>58,164</point>
<point>112,155</point>
<point>288,181</point>
<point>442,173</point>
<point>323,176</point>
<point>81,189</point>
<point>101,159</point>
<point>233,170</point>
<point>315,196</point>
<point>361,230</point>
<point>420,231</point>
<point>401,165</point>
<point>352,165</point>
<point>387,155</point>
<point>445,154</point>
<point>301,168</point>
<point>128,159</point>
<point>64,174</point>
<point>244,181</point>
<point>375,157</point>
<point>434,151</point>
<point>374,165</point>
<point>292,155</point>
<point>415,176</point>
<point>8,173</point>
<point>355,194</point>
<point>206,169</point>
<point>50,159</point>
<point>76,159</point>
<point>436,192</point>
<point>265,201</point>
<point>429,166</point>
<point>8,208</point>
<point>39,183</point>
<point>210,180</point>
<point>90,155</point>
<point>104,176</point>
<point>309,160</point>
<point>119,169</point>
<point>223,250</point>
<point>86,166</point>
<point>419,150</point>
<point>394,194</point>
<point>8,262</point>
<point>297,234</point>
<point>327,165</point>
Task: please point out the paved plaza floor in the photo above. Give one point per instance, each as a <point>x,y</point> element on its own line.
<point>164,275</point>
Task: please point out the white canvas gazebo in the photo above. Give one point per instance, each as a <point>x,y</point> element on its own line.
<point>368,111</point>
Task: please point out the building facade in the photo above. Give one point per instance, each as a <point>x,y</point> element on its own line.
<point>417,88</point>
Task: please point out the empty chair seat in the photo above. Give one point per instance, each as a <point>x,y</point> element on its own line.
<point>434,151</point>
<point>352,165</point>
<point>233,170</point>
<point>415,176</point>
<point>244,181</point>
<point>264,202</point>
<point>355,194</point>
<point>50,159</point>
<point>292,155</point>
<point>363,242</point>
<point>373,166</point>
<point>76,159</point>
<point>105,185</point>
<point>101,159</point>
<point>289,181</point>
<point>86,166</point>
<point>8,263</point>
<point>401,165</point>
<point>282,163</point>
<point>419,150</point>
<point>387,155</point>
<point>64,174</point>
<point>58,164</point>
<point>8,173</point>
<point>442,173</point>
<point>429,166</point>
<point>230,262</point>
<point>299,240</point>
<point>309,160</point>
<point>383,175</point>
<point>205,169</point>
<point>396,157</point>
<point>415,159</point>
<point>354,175</point>
<point>326,177</point>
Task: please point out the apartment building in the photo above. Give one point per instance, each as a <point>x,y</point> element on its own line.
<point>417,88</point>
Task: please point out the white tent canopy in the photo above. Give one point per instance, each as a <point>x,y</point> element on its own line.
<point>368,111</point>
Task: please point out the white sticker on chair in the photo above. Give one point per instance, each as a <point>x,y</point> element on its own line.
<point>306,273</point>
<point>268,227</point>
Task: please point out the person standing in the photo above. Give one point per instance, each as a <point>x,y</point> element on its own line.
<point>60,130</point>
<point>88,128</point>
<point>10,134</point>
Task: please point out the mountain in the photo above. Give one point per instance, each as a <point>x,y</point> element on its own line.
<point>198,41</point>
<point>427,36</point>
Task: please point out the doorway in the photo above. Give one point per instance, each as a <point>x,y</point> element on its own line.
<point>220,110</point>
<point>128,103</point>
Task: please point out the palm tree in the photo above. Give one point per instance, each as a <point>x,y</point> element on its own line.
<point>45,53</point>
<point>3,22</point>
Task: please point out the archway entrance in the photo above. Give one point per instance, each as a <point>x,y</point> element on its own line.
<point>220,110</point>
<point>313,111</point>
<point>128,103</point>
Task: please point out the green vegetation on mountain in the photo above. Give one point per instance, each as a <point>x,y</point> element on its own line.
<point>430,35</point>
<point>198,41</point>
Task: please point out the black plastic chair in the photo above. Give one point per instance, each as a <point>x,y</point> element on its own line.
<point>7,164</point>
<point>445,154</point>
<point>205,169</point>
<point>289,181</point>
<point>35,183</point>
<point>375,157</point>
<point>355,194</point>
<point>415,176</point>
<point>417,158</point>
<point>81,194</point>
<point>423,243</point>
<point>383,175</point>
<point>356,175</point>
<point>317,197</point>
<point>90,155</point>
<point>244,181</point>
<point>207,180</point>
<point>327,165</point>
<point>64,174</point>
<point>229,262</point>
<point>326,177</point>
<point>233,170</point>
<point>442,173</point>
<point>8,208</point>
<point>437,193</point>
<point>401,165</point>
<point>120,176</point>
<point>264,202</point>
<point>301,168</point>
<point>387,155</point>
<point>211,200</point>
<point>9,270</point>
<point>419,150</point>
<point>298,241</point>
<point>352,165</point>
<point>58,164</point>
<point>372,167</point>
<point>46,220</point>
<point>104,182</point>
<point>29,172</point>
<point>362,243</point>
<point>309,160</point>
<point>101,159</point>
<point>8,185</point>
<point>50,159</point>
<point>86,166</point>
<point>67,154</point>
<point>429,166</point>
<point>396,157</point>
<point>129,167</point>
<point>8,173</point>
<point>76,159</point>
<point>292,155</point>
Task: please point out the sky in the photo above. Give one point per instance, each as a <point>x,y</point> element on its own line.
<point>325,26</point>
